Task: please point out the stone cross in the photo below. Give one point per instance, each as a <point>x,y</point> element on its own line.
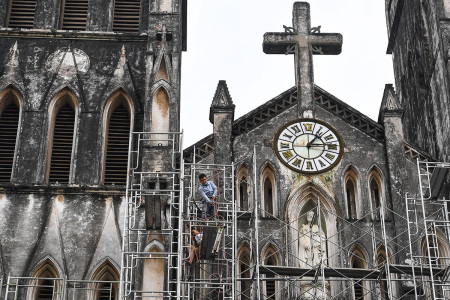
<point>303,42</point>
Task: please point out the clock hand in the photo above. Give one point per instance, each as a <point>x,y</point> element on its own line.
<point>315,138</point>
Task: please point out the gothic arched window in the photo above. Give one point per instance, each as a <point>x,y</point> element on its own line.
<point>153,279</point>
<point>270,258</point>
<point>21,14</point>
<point>244,271</point>
<point>242,188</point>
<point>351,193</point>
<point>358,260</point>
<point>63,112</point>
<point>381,260</point>
<point>49,287</point>
<point>9,123</point>
<point>269,191</point>
<point>105,284</point>
<point>117,135</point>
<point>376,188</point>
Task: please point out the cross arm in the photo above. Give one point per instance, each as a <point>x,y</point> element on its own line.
<point>277,43</point>
<point>330,43</point>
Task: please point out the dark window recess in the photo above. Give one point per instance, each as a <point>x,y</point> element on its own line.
<point>46,290</point>
<point>21,13</point>
<point>106,291</point>
<point>245,285</point>
<point>62,146</point>
<point>126,15</point>
<point>75,15</point>
<point>117,147</point>
<point>9,120</point>
<point>268,197</point>
<point>270,284</point>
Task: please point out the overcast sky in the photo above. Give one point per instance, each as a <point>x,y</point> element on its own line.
<point>225,43</point>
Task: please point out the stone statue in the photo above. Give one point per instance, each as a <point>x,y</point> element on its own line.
<point>312,244</point>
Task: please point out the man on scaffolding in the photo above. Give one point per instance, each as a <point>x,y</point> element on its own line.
<point>208,191</point>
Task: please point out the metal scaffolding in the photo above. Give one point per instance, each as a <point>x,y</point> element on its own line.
<point>429,233</point>
<point>153,211</point>
<point>387,267</point>
<point>206,272</point>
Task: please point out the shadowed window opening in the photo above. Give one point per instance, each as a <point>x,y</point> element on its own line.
<point>21,14</point>
<point>9,121</point>
<point>75,14</point>
<point>62,145</point>
<point>117,147</point>
<point>126,15</point>
<point>351,202</point>
<point>268,196</point>
<point>243,194</point>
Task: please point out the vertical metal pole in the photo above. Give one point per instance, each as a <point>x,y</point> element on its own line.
<point>255,206</point>
<point>180,226</point>
<point>410,246</point>
<point>123,277</point>
<point>426,228</point>
<point>234,237</point>
<point>383,229</point>
<point>322,269</point>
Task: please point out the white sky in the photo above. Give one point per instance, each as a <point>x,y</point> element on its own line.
<point>225,43</point>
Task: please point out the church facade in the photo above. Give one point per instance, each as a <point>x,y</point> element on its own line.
<point>320,191</point>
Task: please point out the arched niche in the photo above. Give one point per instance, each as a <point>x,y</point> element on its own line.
<point>10,120</point>
<point>352,193</point>
<point>244,270</point>
<point>105,282</point>
<point>153,279</point>
<point>63,116</point>
<point>376,190</point>
<point>243,188</point>
<point>303,198</point>
<point>269,192</point>
<point>270,257</point>
<point>160,117</point>
<point>358,260</point>
<point>382,255</point>
<point>118,120</point>
<point>46,282</point>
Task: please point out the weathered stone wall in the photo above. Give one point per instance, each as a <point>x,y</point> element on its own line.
<point>419,47</point>
<point>78,226</point>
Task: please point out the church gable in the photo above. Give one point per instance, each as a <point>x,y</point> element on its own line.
<point>282,103</point>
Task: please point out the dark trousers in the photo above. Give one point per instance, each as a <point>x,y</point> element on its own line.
<point>207,210</point>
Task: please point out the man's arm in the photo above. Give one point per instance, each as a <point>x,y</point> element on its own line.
<point>202,193</point>
<point>214,189</point>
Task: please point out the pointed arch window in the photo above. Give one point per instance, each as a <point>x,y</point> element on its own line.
<point>126,15</point>
<point>21,14</point>
<point>160,117</point>
<point>351,193</point>
<point>61,138</point>
<point>268,192</point>
<point>381,260</point>
<point>244,271</point>
<point>9,123</point>
<point>270,258</point>
<point>49,287</point>
<point>105,284</point>
<point>376,188</point>
<point>359,260</point>
<point>243,188</point>
<point>74,16</point>
<point>117,135</point>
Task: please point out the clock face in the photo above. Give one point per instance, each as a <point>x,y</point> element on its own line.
<point>308,146</point>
